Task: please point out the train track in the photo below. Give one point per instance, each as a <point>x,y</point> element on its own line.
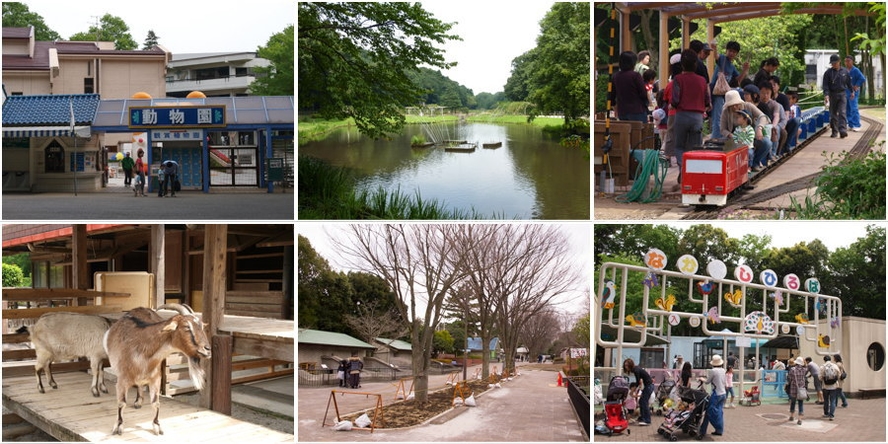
<point>749,201</point>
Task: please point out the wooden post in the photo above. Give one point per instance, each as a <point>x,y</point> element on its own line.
<point>221,364</point>
<point>158,263</point>
<point>214,286</point>
<point>663,72</point>
<point>80,275</point>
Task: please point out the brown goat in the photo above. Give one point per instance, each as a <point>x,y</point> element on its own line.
<point>138,343</point>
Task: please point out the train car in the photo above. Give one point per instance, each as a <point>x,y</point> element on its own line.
<point>708,176</point>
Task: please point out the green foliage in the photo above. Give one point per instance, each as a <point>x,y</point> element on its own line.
<point>150,40</point>
<point>517,88</point>
<point>442,342</point>
<point>487,100</point>
<point>857,275</point>
<point>847,189</point>
<point>439,89</point>
<point>17,15</point>
<point>276,79</point>
<point>22,260</point>
<point>12,276</point>
<point>583,330</point>
<point>417,139</point>
<point>110,29</point>
<point>355,60</point>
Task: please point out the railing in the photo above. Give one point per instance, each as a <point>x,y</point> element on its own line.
<point>327,376</point>
<point>578,393</point>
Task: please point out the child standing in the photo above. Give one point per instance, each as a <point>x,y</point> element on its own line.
<point>729,385</point>
<point>631,401</point>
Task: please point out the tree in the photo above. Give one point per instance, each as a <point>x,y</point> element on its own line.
<point>421,264</point>
<point>354,60</point>
<point>110,29</point>
<point>857,275</point>
<point>560,79</point>
<point>12,276</point>
<point>371,322</point>
<point>443,343</point>
<point>539,331</point>
<point>17,15</point>
<point>150,40</point>
<point>324,295</point>
<point>517,88</point>
<point>276,79</point>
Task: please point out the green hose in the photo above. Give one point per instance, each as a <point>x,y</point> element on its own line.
<point>651,165</point>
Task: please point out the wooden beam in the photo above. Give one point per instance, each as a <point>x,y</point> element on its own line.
<point>258,347</point>
<point>81,266</point>
<point>214,286</point>
<point>49,294</point>
<point>29,313</point>
<point>158,263</point>
<point>221,364</point>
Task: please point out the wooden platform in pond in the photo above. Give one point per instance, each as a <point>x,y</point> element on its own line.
<point>71,413</point>
<point>463,148</point>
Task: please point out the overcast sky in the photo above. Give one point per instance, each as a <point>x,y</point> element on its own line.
<point>182,26</point>
<point>493,33</point>
<point>788,233</point>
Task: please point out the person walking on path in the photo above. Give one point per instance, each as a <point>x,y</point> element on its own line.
<point>643,378</point>
<point>715,412</point>
<point>355,365</point>
<point>842,375</point>
<point>836,81</point>
<point>857,81</point>
<point>141,171</point>
<point>795,380</point>
<point>342,373</point>
<point>829,373</point>
<point>729,386</point>
<point>814,371</point>
<point>127,164</point>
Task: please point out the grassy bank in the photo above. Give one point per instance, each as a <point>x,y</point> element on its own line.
<point>315,129</point>
<point>327,192</point>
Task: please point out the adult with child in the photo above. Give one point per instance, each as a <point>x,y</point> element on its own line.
<point>836,82</point>
<point>643,378</point>
<point>629,96</point>
<point>857,81</point>
<point>724,63</point>
<point>690,97</point>
<point>715,412</point>
<point>733,104</point>
<point>774,111</point>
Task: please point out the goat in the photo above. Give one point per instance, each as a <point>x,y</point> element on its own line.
<point>64,336</point>
<point>138,343</point>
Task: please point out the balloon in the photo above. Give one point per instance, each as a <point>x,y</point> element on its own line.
<point>119,156</point>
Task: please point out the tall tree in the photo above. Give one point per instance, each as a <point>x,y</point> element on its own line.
<point>276,79</point>
<point>17,15</point>
<point>857,275</point>
<point>539,332</point>
<point>354,60</point>
<point>518,87</point>
<point>110,29</point>
<point>150,40</point>
<point>324,294</point>
<point>421,264</point>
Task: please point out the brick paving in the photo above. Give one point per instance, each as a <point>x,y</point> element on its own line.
<point>863,420</point>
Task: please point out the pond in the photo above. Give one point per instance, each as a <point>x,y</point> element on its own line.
<point>529,177</point>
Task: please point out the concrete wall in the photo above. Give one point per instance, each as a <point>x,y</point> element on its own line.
<point>313,352</point>
<point>857,336</point>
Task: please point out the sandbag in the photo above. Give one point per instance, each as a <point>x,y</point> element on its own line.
<point>470,401</point>
<point>363,421</point>
<point>343,426</point>
<point>410,396</point>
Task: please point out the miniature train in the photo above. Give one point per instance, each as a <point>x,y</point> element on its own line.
<point>710,175</point>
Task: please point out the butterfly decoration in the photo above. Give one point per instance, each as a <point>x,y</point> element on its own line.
<point>823,341</point>
<point>705,287</point>
<point>665,304</point>
<point>820,305</point>
<point>712,314</point>
<point>777,296</point>
<point>636,320</point>
<point>735,297</point>
<point>759,322</point>
<point>651,281</point>
<point>835,322</point>
<point>608,294</point>
<point>802,318</point>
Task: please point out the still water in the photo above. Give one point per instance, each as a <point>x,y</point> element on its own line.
<point>529,177</point>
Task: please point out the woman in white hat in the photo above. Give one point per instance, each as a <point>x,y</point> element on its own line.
<point>734,103</point>
<point>715,413</point>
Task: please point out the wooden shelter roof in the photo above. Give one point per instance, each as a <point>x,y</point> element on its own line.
<point>732,11</point>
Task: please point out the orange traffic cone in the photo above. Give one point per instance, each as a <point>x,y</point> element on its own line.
<point>559,380</point>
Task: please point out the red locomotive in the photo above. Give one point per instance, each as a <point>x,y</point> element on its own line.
<point>708,176</point>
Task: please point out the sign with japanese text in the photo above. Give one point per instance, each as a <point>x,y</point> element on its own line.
<point>201,116</point>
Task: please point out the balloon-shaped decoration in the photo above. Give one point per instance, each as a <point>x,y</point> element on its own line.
<point>636,320</point>
<point>608,294</point>
<point>735,297</point>
<point>791,282</point>
<point>823,341</point>
<point>743,273</point>
<point>655,259</point>
<point>665,304</point>
<point>118,156</point>
<point>769,278</point>
<point>812,285</point>
<point>674,319</point>
<point>717,269</point>
<point>802,318</point>
<point>835,322</point>
<point>688,265</point>
<point>777,296</point>
<point>705,287</point>
<point>712,315</point>
<point>759,322</point>
<point>651,281</point>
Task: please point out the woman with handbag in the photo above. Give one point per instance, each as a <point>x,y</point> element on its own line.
<point>795,381</point>
<point>726,77</point>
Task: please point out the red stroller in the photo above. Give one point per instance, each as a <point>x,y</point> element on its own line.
<point>615,415</point>
<point>751,396</point>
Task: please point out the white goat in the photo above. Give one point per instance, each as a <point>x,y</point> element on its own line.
<point>138,343</point>
<point>64,336</point>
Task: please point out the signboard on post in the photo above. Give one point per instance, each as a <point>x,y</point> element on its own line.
<point>182,117</point>
<point>275,169</point>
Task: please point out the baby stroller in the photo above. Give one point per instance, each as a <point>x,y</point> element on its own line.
<point>615,416</point>
<point>663,392</point>
<point>751,396</point>
<point>687,420</point>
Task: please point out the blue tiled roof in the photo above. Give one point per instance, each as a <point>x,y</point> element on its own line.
<point>475,343</point>
<point>49,109</point>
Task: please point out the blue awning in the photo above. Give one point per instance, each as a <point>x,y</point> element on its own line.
<point>46,131</point>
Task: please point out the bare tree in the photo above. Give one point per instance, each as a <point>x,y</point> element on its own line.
<point>540,331</point>
<point>421,264</point>
<point>371,322</point>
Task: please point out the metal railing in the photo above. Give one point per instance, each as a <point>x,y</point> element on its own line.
<point>578,393</point>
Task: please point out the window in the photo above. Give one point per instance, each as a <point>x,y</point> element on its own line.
<point>241,72</point>
<point>88,85</point>
<point>875,356</point>
<point>54,158</point>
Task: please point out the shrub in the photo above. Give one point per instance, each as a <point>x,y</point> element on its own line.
<point>13,276</point>
<point>847,189</point>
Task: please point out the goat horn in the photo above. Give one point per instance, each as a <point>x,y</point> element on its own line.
<point>181,308</point>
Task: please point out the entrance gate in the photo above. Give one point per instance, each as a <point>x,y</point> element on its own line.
<point>644,299</point>
<point>234,166</point>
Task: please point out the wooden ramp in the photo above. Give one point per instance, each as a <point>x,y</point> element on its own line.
<point>71,413</point>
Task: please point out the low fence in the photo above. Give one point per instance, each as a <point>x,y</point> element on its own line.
<point>327,377</point>
<point>578,392</point>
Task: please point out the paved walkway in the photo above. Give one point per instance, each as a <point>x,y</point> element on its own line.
<point>863,420</point>
<point>529,408</point>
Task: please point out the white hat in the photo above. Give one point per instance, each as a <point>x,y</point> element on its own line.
<point>799,361</point>
<point>676,58</point>
<point>716,361</point>
<point>732,97</point>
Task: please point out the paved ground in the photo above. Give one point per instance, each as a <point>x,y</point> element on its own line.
<point>529,408</point>
<point>863,420</point>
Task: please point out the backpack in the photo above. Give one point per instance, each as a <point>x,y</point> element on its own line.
<point>830,373</point>
<point>844,375</point>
